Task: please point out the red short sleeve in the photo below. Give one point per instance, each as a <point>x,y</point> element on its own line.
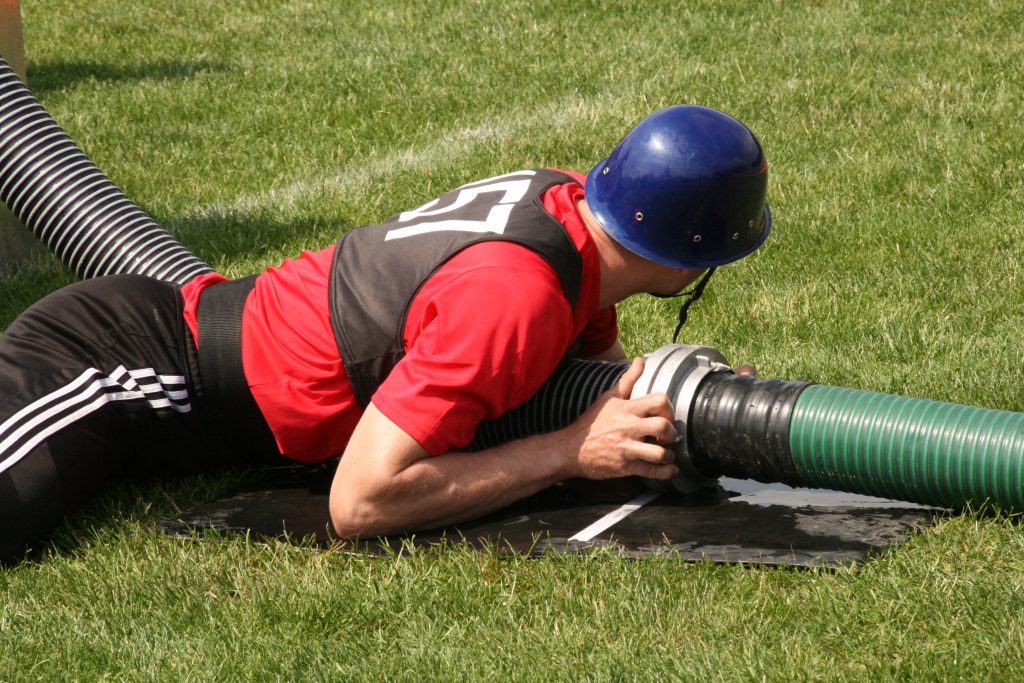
<point>484,333</point>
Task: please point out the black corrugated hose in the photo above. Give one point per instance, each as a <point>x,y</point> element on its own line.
<point>69,204</point>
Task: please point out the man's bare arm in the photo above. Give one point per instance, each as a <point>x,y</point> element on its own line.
<point>387,483</point>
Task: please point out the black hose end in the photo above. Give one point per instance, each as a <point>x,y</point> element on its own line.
<point>739,427</point>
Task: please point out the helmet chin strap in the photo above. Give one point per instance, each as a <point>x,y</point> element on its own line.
<point>691,298</point>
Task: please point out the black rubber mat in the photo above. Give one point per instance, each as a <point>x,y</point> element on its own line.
<point>739,521</point>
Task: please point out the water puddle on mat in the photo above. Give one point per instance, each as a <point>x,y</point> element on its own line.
<point>757,493</point>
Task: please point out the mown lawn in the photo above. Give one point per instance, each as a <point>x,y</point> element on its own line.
<point>254,129</point>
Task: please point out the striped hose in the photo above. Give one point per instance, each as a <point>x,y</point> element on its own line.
<point>69,204</point>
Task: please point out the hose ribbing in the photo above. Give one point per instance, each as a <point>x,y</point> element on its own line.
<point>561,399</point>
<point>908,448</point>
<point>69,204</point>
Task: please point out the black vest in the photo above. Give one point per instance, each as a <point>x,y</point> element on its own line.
<point>378,269</point>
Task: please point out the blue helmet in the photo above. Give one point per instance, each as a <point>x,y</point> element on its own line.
<point>685,188</point>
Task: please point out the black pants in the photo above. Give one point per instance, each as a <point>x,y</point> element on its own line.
<point>96,380</point>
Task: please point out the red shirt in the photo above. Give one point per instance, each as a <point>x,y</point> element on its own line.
<point>482,334</point>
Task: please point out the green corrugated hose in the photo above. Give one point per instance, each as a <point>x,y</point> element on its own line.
<point>908,448</point>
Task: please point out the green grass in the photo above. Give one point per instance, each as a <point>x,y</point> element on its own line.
<point>255,129</point>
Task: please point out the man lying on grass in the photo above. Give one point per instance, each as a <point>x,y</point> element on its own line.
<point>390,347</point>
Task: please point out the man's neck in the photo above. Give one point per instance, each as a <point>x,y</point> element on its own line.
<point>622,273</point>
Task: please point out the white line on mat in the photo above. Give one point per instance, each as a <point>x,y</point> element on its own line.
<point>615,516</point>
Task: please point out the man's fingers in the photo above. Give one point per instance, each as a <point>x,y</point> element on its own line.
<point>651,453</point>
<point>659,430</point>
<point>625,385</point>
<point>651,470</point>
<point>652,405</point>
<point>745,369</point>
<point>626,436</point>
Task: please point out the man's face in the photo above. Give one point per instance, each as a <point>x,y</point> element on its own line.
<point>671,281</point>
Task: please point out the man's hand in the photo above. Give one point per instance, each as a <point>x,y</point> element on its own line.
<point>621,437</point>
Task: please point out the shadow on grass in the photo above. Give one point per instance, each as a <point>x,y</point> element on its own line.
<point>244,244</point>
<point>50,75</point>
<point>25,283</point>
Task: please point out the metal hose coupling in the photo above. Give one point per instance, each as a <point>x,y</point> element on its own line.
<point>678,371</point>
<point>728,424</point>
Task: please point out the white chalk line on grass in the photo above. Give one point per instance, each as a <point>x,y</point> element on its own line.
<point>464,142</point>
<point>615,516</point>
